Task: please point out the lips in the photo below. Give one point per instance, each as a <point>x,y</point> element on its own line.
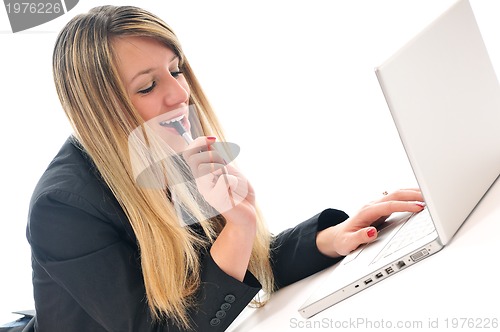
<point>169,123</point>
<point>178,124</point>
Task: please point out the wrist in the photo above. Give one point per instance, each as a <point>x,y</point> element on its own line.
<point>232,249</point>
<point>241,230</point>
<point>327,240</point>
<point>241,220</point>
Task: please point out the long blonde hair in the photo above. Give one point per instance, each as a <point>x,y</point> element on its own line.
<point>102,117</point>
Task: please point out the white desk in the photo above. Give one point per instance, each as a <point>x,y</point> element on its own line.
<point>347,40</point>
<point>458,282</point>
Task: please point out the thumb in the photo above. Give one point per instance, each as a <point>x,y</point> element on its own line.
<point>365,235</point>
<point>226,182</point>
<point>224,191</point>
<point>354,239</point>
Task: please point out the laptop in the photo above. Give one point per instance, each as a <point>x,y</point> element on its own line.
<point>444,98</point>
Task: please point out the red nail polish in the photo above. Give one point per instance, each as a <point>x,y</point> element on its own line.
<point>422,205</point>
<point>371,232</point>
<point>211,138</point>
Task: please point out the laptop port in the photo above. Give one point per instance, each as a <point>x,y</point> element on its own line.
<point>389,270</point>
<point>379,275</point>
<point>419,255</point>
<point>400,264</point>
<point>367,281</point>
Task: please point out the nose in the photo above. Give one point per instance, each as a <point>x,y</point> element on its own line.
<point>175,91</point>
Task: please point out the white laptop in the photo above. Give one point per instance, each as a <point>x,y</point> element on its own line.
<point>444,97</point>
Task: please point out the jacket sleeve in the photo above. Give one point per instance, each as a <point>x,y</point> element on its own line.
<point>99,273</point>
<point>294,254</point>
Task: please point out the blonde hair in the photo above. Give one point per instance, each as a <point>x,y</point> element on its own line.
<point>102,117</point>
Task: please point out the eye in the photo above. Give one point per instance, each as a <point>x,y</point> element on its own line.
<point>149,89</point>
<point>176,73</point>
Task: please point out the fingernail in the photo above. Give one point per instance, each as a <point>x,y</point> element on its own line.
<point>211,138</point>
<point>371,232</point>
<point>422,205</point>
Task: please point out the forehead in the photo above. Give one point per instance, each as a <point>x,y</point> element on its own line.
<point>134,54</point>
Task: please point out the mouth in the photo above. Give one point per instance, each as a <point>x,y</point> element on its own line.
<point>172,122</point>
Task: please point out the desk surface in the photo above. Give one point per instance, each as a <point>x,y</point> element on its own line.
<point>262,111</point>
<point>457,288</point>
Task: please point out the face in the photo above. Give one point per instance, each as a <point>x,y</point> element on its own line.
<point>157,88</point>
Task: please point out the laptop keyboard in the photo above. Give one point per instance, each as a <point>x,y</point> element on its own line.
<point>417,227</point>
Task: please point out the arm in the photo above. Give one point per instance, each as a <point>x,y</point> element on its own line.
<point>325,238</point>
<point>343,238</point>
<point>97,270</point>
<point>230,193</point>
<point>294,253</point>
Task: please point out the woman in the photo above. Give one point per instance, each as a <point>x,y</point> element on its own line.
<point>132,228</point>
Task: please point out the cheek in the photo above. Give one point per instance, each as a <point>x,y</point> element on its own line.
<point>185,86</point>
<point>151,106</point>
<point>146,107</point>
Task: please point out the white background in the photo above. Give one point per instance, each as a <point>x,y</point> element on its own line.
<point>293,84</point>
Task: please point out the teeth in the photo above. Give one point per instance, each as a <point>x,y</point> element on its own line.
<point>167,122</point>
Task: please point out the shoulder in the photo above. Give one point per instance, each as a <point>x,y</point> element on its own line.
<point>70,185</point>
<point>70,170</point>
<point>72,178</point>
<point>71,201</point>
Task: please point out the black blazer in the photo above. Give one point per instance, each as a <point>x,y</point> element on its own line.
<point>86,263</point>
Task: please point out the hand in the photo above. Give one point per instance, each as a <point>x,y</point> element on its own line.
<point>343,238</point>
<point>220,184</point>
<point>229,192</point>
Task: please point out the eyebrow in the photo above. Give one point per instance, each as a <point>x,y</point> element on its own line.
<point>149,70</point>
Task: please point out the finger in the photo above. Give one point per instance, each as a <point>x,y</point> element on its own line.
<point>230,181</point>
<point>416,190</point>
<point>250,193</point>
<point>355,239</point>
<point>244,188</point>
<point>201,143</point>
<point>204,157</point>
<point>381,209</point>
<point>206,168</point>
<point>225,186</point>
<point>368,234</point>
<point>403,195</point>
